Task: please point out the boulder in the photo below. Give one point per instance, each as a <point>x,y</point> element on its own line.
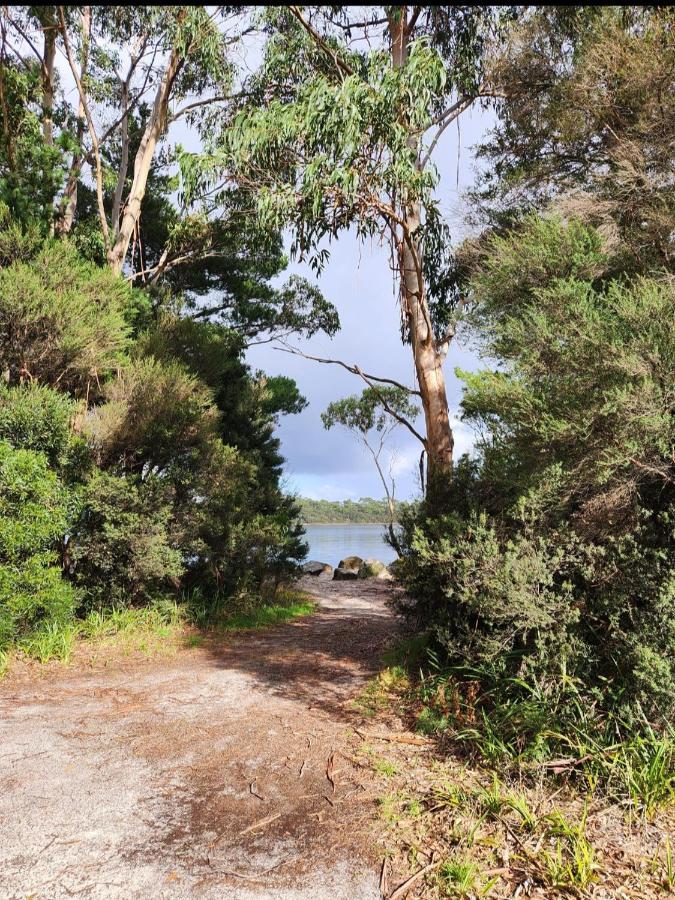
<point>371,568</point>
<point>348,568</point>
<point>341,574</point>
<point>351,563</point>
<point>317,569</point>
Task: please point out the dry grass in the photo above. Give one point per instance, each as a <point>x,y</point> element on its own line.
<point>479,831</point>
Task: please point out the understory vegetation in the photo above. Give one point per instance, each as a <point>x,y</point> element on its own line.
<point>546,591</point>
<point>139,468</point>
<point>128,477</point>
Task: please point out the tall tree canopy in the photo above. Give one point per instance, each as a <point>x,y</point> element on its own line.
<point>329,136</point>
<point>102,169</point>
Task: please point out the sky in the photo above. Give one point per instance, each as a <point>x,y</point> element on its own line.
<point>331,465</point>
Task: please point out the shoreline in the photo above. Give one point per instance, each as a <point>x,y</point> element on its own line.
<point>384,524</point>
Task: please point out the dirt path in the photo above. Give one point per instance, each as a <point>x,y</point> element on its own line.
<point>204,775</point>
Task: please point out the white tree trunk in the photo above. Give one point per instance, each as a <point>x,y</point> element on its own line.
<point>153,132</point>
<point>69,200</point>
<point>428,359</point>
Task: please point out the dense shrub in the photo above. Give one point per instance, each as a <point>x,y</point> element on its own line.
<point>157,417</point>
<point>33,519</point>
<point>560,551</point>
<point>34,417</point>
<point>63,321</point>
<point>121,552</point>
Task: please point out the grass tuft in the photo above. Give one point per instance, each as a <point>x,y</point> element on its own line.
<point>264,616</point>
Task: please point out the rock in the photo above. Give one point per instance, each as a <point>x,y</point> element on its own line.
<point>384,575</point>
<point>348,568</point>
<point>341,574</point>
<point>371,568</point>
<point>351,563</point>
<point>318,569</point>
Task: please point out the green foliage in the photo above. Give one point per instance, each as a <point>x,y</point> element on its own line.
<point>337,127</point>
<point>32,169</point>
<point>122,551</point>
<point>62,321</point>
<point>493,602</point>
<point>370,410</point>
<point>157,416</point>
<point>33,517</point>
<point>560,552</point>
<point>34,417</point>
<point>362,511</point>
<point>589,118</point>
<point>329,134</point>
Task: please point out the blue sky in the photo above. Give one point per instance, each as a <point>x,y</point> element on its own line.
<point>357,279</point>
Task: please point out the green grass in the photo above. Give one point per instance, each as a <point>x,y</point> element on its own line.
<point>571,863</point>
<point>460,878</point>
<point>52,641</point>
<point>516,727</point>
<point>159,627</point>
<point>665,868</point>
<point>398,807</point>
<point>264,616</point>
<point>385,767</point>
<point>160,619</point>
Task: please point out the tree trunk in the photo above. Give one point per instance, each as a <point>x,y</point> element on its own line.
<point>124,163</point>
<point>49,28</point>
<point>69,200</point>
<point>153,132</point>
<point>428,360</point>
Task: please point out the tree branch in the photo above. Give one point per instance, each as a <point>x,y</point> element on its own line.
<point>198,103</point>
<point>340,65</point>
<point>32,46</point>
<point>446,119</point>
<point>355,370</point>
<point>413,20</point>
<point>92,131</point>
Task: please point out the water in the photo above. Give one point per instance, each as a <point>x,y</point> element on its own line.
<point>331,543</point>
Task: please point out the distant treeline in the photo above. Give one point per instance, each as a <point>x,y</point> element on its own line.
<point>364,510</point>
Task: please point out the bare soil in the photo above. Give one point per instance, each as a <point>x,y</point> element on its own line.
<point>224,771</point>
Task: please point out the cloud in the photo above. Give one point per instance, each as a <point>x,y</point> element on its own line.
<point>358,280</point>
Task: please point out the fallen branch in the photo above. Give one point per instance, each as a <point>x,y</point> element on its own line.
<point>253,791</point>
<point>330,770</point>
<point>395,738</point>
<point>260,824</point>
<point>403,889</point>
<point>384,877</point>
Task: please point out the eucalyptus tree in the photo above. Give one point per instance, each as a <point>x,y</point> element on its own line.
<point>588,122</point>
<point>372,417</point>
<point>338,129</point>
<point>119,58</point>
<point>90,100</point>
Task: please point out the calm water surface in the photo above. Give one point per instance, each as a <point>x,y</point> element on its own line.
<point>331,543</point>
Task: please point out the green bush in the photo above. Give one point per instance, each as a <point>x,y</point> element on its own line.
<point>33,518</point>
<point>559,555</point>
<point>121,552</point>
<point>63,321</point>
<point>35,417</point>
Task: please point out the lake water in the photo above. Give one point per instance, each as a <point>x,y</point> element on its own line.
<point>331,543</point>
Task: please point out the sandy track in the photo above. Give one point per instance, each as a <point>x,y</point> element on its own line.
<point>145,780</point>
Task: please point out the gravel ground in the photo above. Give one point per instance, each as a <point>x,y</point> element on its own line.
<point>223,771</point>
